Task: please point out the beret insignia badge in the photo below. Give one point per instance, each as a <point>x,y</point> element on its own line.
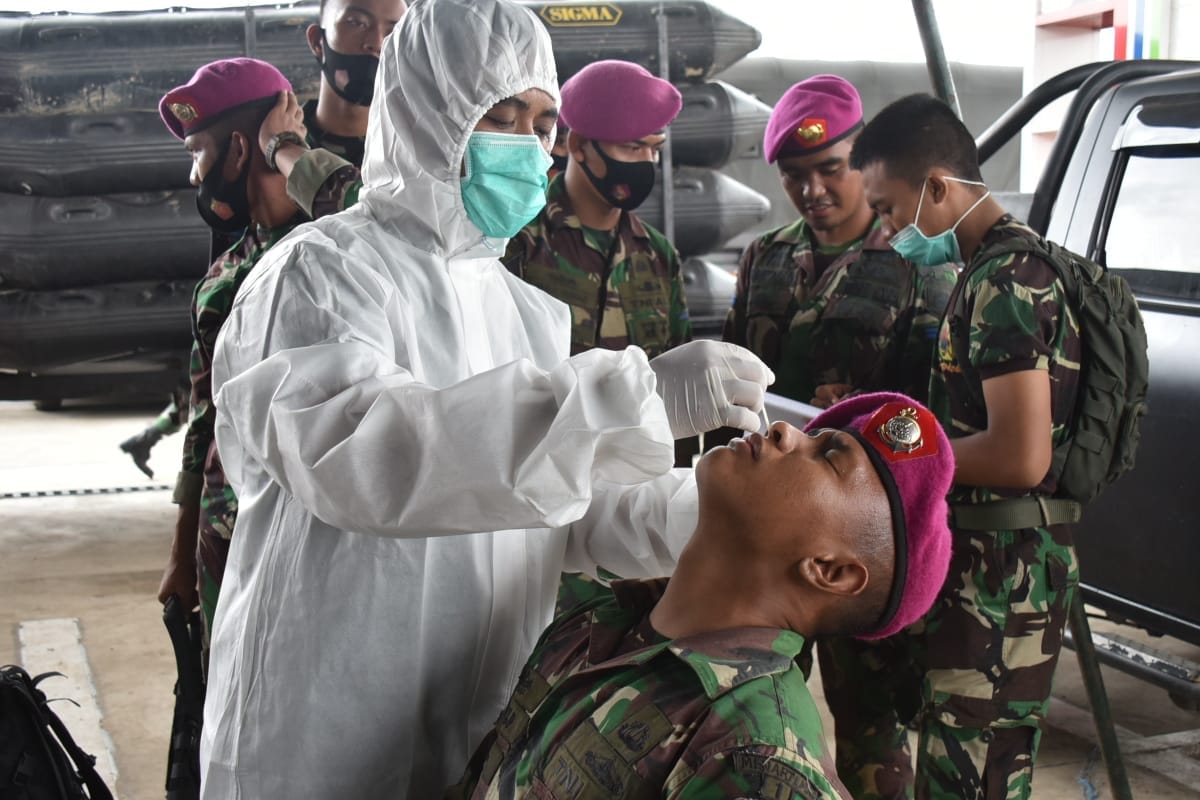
<point>811,131</point>
<point>184,112</point>
<point>902,432</point>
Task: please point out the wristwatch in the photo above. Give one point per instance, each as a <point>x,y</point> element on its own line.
<point>279,140</point>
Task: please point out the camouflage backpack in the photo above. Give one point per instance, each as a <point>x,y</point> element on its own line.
<point>1114,373</point>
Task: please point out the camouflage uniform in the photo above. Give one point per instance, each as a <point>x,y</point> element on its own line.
<point>624,286</point>
<point>976,671</point>
<point>608,708</point>
<point>858,315</point>
<point>202,480</point>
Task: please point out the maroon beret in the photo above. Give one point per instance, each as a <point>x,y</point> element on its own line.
<point>618,101</point>
<point>912,455</point>
<point>217,88</point>
<point>812,115</point>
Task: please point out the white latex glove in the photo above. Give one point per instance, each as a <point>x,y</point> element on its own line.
<point>706,384</point>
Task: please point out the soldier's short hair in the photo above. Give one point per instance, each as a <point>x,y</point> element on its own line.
<point>912,136</point>
<point>873,544</point>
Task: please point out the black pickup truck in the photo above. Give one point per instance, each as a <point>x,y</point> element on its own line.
<point>1122,185</point>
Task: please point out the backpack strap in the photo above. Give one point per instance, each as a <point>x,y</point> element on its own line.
<point>1058,257</point>
<point>84,762</point>
<point>1015,244</point>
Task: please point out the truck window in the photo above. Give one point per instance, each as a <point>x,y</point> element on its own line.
<point>1150,234</point>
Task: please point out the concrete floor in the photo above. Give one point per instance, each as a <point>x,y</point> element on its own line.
<point>97,558</point>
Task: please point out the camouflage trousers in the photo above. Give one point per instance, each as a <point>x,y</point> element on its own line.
<point>212,552</point>
<point>218,514</point>
<point>217,517</point>
<point>973,676</point>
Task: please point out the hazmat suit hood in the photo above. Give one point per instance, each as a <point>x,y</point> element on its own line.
<point>441,70</point>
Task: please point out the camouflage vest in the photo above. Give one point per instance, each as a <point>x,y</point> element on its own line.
<point>776,282</point>
<point>642,294</point>
<point>783,288</point>
<point>876,288</point>
<point>853,328</point>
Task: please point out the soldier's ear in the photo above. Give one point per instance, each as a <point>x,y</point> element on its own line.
<point>240,152</point>
<point>313,34</point>
<point>575,144</point>
<point>938,187</point>
<point>833,574</point>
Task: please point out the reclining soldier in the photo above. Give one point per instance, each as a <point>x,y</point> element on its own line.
<point>689,688</point>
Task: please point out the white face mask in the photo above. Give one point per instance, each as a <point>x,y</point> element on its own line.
<point>505,184</point>
<point>941,248</point>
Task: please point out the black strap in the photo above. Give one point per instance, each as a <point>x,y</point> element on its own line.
<point>85,763</point>
<point>35,702</point>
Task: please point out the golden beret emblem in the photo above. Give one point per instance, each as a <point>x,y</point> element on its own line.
<point>812,132</point>
<point>184,112</point>
<point>902,432</point>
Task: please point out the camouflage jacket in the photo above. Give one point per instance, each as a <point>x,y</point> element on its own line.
<point>869,319</point>
<point>1006,315</point>
<point>202,479</point>
<point>607,708</point>
<point>624,287</point>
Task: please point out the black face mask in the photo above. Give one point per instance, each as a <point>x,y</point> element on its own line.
<point>626,184</point>
<point>352,77</point>
<point>223,204</point>
<point>560,162</point>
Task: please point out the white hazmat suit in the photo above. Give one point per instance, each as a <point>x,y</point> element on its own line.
<point>416,459</point>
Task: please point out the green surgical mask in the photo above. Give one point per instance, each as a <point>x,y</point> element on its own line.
<point>929,251</point>
<point>505,182</point>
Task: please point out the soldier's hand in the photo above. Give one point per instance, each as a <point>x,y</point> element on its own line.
<point>179,578</point>
<point>830,393</point>
<point>287,115</point>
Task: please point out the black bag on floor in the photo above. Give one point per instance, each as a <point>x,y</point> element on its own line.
<point>38,758</point>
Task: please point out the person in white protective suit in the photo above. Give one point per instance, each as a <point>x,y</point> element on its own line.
<point>416,458</point>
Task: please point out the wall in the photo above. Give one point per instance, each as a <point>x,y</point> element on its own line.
<point>1069,33</point>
